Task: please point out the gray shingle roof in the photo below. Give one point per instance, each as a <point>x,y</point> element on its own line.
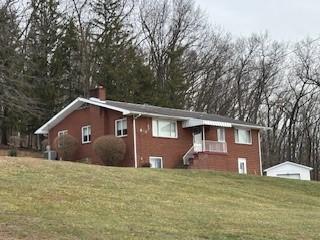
<point>150,109</point>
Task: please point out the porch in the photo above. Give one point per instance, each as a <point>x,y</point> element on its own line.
<point>208,137</point>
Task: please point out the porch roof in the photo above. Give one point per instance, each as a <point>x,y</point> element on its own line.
<point>199,122</point>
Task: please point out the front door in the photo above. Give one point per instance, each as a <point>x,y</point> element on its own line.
<point>197,139</point>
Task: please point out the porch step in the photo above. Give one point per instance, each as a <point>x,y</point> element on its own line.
<point>192,159</point>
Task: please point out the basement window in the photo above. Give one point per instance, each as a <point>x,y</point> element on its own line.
<point>156,162</point>
<point>86,134</point>
<point>121,127</point>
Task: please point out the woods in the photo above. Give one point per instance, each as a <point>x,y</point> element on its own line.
<point>162,52</point>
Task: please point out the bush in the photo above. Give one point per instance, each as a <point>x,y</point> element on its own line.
<point>66,146</point>
<point>110,149</point>
<point>13,152</point>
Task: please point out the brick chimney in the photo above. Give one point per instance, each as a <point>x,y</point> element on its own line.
<point>98,92</point>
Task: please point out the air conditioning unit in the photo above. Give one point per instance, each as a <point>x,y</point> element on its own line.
<point>50,155</point>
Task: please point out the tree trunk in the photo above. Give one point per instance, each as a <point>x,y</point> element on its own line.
<point>4,136</point>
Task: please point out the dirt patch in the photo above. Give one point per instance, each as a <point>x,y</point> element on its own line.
<point>27,161</point>
<point>5,234</point>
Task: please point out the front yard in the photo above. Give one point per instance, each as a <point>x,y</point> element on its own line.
<point>60,200</point>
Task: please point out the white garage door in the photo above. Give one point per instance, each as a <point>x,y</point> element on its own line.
<point>290,176</point>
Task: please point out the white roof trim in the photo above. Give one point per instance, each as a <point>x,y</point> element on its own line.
<point>250,126</point>
<point>290,163</point>
<point>44,129</point>
<point>59,116</point>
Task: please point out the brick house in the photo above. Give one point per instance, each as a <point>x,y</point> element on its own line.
<point>160,137</point>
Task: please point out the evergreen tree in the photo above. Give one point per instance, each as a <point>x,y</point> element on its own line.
<point>14,101</point>
<point>65,66</point>
<point>119,66</point>
<point>42,41</point>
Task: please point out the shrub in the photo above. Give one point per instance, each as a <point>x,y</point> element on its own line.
<point>110,149</point>
<point>13,152</point>
<point>66,146</point>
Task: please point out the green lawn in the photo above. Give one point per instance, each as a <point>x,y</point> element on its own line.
<point>59,200</point>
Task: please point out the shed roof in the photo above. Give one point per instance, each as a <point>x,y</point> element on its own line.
<point>288,163</point>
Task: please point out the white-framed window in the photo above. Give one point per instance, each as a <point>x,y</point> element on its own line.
<point>164,128</point>
<point>221,135</point>
<point>121,128</point>
<point>62,132</point>
<point>242,136</point>
<point>242,165</point>
<point>156,162</point>
<point>86,134</point>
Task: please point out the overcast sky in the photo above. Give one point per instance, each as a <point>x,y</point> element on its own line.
<point>288,20</point>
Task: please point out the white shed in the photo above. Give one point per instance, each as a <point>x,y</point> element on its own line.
<point>289,170</point>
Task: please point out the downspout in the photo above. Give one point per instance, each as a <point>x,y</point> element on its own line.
<point>48,147</point>
<point>135,141</point>
<point>260,159</point>
<point>203,139</point>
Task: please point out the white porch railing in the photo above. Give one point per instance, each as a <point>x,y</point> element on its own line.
<point>188,155</point>
<point>215,147</point>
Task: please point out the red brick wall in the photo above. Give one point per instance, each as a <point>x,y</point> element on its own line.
<point>102,123</point>
<point>73,123</point>
<point>170,149</point>
<point>229,161</point>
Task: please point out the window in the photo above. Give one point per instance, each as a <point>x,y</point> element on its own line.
<point>242,136</point>
<point>156,162</point>
<point>86,134</point>
<point>164,128</point>
<point>221,135</point>
<point>242,165</point>
<point>121,127</point>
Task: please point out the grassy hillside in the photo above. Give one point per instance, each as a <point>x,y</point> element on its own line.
<point>58,200</point>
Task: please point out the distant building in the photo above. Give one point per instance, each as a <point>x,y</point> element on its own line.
<point>289,170</point>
